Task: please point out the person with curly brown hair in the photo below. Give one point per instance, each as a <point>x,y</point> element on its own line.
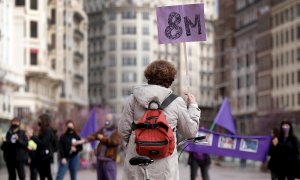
<point>182,116</point>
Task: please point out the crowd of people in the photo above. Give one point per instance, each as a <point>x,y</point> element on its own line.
<point>23,147</point>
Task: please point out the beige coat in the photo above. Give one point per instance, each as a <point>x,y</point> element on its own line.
<point>185,120</point>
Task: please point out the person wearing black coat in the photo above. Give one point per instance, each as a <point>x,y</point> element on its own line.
<point>15,150</point>
<point>44,151</point>
<point>274,162</point>
<point>201,160</point>
<point>69,152</point>
<point>287,150</point>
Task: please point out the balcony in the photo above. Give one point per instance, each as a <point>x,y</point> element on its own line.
<point>51,47</point>
<point>78,57</point>
<point>78,34</point>
<point>51,23</point>
<point>78,77</point>
<point>78,16</point>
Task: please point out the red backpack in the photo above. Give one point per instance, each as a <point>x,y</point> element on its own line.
<point>154,137</point>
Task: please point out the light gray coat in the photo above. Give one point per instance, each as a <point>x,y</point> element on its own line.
<point>186,121</point>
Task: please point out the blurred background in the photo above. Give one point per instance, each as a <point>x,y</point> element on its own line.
<point>65,57</point>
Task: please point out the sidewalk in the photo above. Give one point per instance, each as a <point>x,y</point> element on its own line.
<point>216,173</point>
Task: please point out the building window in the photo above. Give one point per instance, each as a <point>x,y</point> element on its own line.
<point>112,16</point>
<point>112,92</point>
<point>20,2</point>
<point>247,60</point>
<point>287,79</point>
<point>112,45</point>
<point>128,30</point>
<point>298,76</point>
<point>53,64</point>
<point>128,45</point>
<point>112,29</point>
<point>298,54</point>
<point>33,57</point>
<point>112,77</point>
<point>126,92</point>
<point>146,60</point>
<point>299,99</point>
<point>128,61</point>
<point>146,46</point>
<point>33,29</point>
<point>53,16</point>
<point>128,15</point>
<point>298,9</point>
<point>34,4</point>
<point>293,100</point>
<point>287,36</point>
<point>146,15</point>
<point>292,34</point>
<point>112,61</point>
<point>146,30</point>
<point>298,32</point>
<point>128,77</point>
<point>248,101</point>
<point>292,78</point>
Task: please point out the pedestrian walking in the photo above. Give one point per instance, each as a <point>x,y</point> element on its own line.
<point>180,115</point>
<point>288,151</point>
<point>46,146</point>
<point>274,163</point>
<point>32,160</point>
<point>15,150</point>
<point>107,149</point>
<point>69,152</point>
<point>201,160</point>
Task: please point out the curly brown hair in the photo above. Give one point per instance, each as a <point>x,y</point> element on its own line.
<point>160,73</point>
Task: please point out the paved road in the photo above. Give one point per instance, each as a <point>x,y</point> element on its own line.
<point>216,173</point>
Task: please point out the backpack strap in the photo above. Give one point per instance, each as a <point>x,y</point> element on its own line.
<point>168,101</point>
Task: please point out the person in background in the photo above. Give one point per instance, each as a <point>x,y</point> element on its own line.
<point>274,162</point>
<point>44,151</point>
<point>201,160</point>
<point>69,152</point>
<point>288,151</point>
<point>107,149</point>
<point>32,161</point>
<point>15,150</point>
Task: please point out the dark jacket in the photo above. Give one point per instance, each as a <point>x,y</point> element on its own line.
<point>205,161</point>
<point>44,144</point>
<point>18,150</point>
<point>274,162</point>
<point>65,143</point>
<point>288,152</point>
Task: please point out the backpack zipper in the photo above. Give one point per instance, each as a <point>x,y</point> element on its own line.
<point>151,143</point>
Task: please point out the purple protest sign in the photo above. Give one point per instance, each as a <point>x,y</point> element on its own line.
<point>183,23</point>
<point>246,147</point>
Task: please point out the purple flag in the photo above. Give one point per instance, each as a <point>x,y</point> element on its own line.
<point>224,117</point>
<point>246,147</point>
<point>183,23</point>
<point>90,127</point>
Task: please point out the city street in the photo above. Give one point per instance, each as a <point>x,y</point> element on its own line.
<point>216,173</point>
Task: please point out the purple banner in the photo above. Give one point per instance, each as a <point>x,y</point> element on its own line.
<point>246,147</point>
<point>183,23</point>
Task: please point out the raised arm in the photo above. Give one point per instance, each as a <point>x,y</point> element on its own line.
<point>188,118</point>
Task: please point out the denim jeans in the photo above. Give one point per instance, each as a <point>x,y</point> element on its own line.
<point>72,165</point>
